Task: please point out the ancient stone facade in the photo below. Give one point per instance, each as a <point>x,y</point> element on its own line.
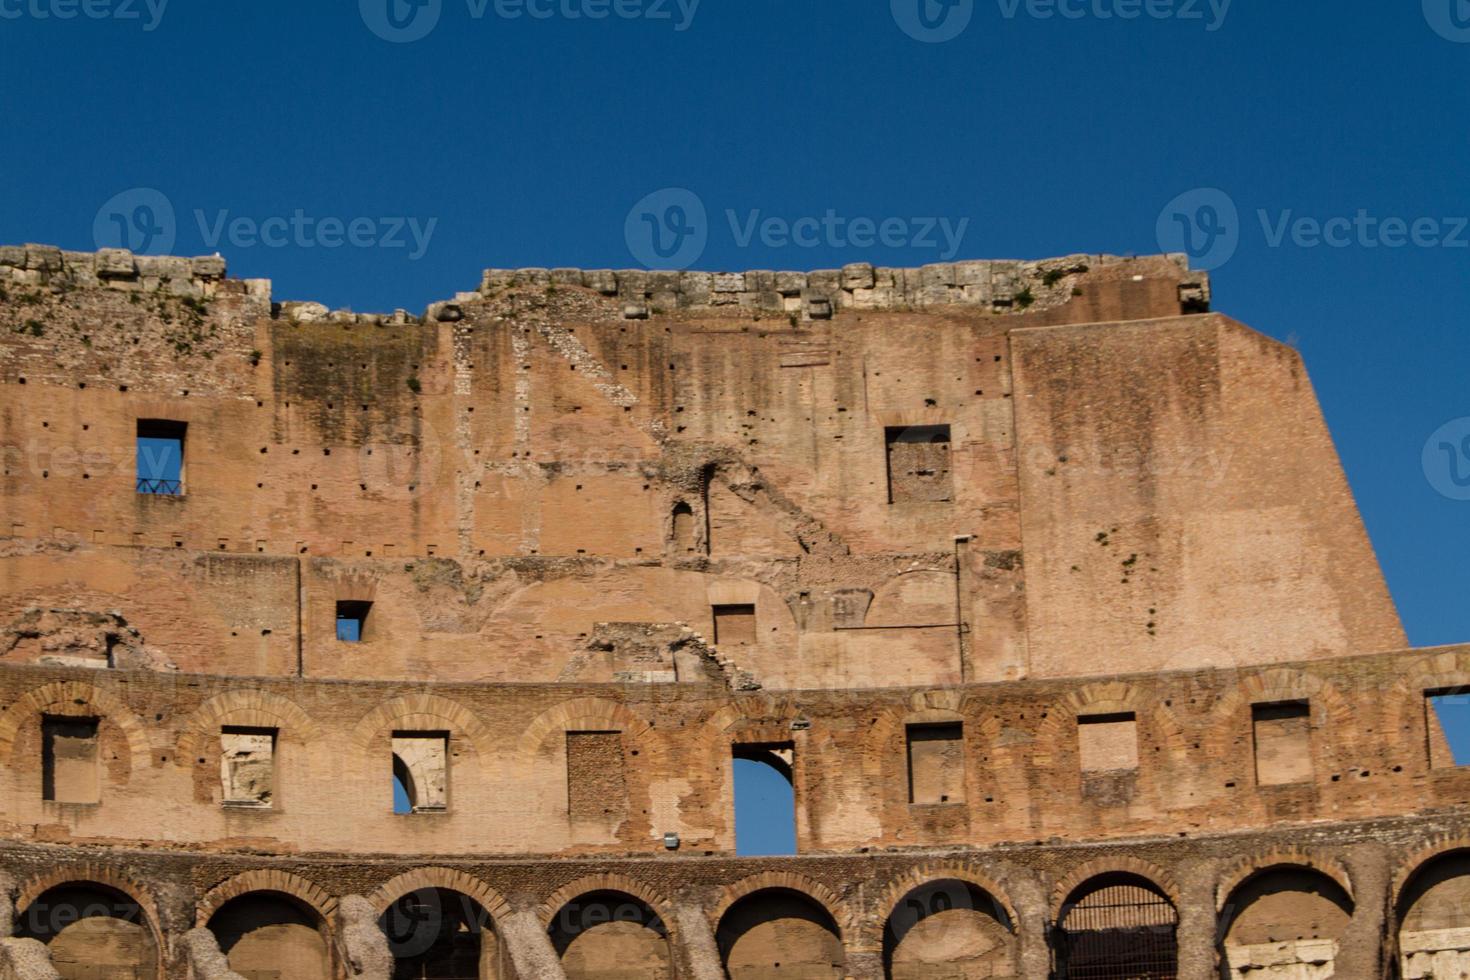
<point>338,645</point>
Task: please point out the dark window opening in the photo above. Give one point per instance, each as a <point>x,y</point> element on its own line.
<point>160,456</point>
<point>1447,717</point>
<point>352,620</point>
<point>765,799</point>
<point>918,463</point>
<point>1117,927</point>
<point>69,760</point>
<point>735,625</point>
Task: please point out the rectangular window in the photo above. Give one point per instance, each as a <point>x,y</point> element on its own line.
<point>734,625</point>
<point>1108,743</point>
<point>765,799</point>
<point>160,452</point>
<point>420,772</point>
<point>596,782</point>
<point>352,621</point>
<point>247,766</point>
<point>936,763</point>
<point>1283,742</point>
<point>1447,720</point>
<point>69,760</point>
<point>918,463</point>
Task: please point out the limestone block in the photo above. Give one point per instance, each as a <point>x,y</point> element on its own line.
<point>790,283</point>
<point>208,266</point>
<point>43,258</point>
<point>729,282</point>
<point>116,263</point>
<point>857,275</point>
<point>937,274</point>
<point>566,277</point>
<point>12,255</point>
<point>826,281</point>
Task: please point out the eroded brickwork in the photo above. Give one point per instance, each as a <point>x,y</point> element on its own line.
<point>1039,581</point>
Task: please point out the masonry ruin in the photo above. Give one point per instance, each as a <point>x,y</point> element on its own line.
<point>402,646</point>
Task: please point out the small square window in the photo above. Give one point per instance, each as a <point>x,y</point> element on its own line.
<point>69,760</point>
<point>1108,743</point>
<point>247,766</point>
<point>735,625</point>
<point>1283,741</point>
<point>918,464</point>
<point>936,763</point>
<point>352,620</point>
<point>160,457</point>
<point>420,772</point>
<point>1447,718</point>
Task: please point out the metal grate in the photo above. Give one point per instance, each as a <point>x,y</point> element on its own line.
<point>1120,932</point>
<point>169,488</point>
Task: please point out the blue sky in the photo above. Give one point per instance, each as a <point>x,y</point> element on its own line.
<point>525,140</point>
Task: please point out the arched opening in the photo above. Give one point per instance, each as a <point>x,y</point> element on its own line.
<point>93,933</point>
<point>611,935</point>
<point>1283,923</point>
<point>1434,919</point>
<point>403,790</point>
<point>948,930</point>
<point>684,536</point>
<point>439,934</point>
<point>765,800</point>
<point>1117,926</point>
<point>272,936</point>
<point>778,933</point>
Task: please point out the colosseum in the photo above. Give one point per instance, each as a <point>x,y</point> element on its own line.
<point>399,646</point>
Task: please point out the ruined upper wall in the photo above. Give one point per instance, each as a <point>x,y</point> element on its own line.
<point>565,449</point>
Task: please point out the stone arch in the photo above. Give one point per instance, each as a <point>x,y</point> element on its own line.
<point>284,882</point>
<point>894,602</point>
<point>787,881</point>
<point>248,708</point>
<point>1431,896</point>
<point>1252,866</point>
<point>1114,919</point>
<point>423,712</point>
<point>606,883</point>
<point>446,878</point>
<point>781,918</point>
<point>1100,867</point>
<point>611,923</point>
<point>1285,918</point>
<point>580,714</point>
<point>896,889</point>
<point>755,718</point>
<point>1231,716</point>
<point>272,922</point>
<point>1407,709</point>
<point>98,931</point>
<point>453,935</point>
<point>72,698</point>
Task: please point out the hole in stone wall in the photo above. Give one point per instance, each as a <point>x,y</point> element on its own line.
<point>69,760</point>
<point>1108,743</point>
<point>420,772</point>
<point>247,765</point>
<point>160,456</point>
<point>765,798</point>
<point>918,463</point>
<point>936,763</point>
<point>1283,742</point>
<point>352,618</point>
<point>735,625</point>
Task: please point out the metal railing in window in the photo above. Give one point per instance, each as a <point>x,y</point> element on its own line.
<point>168,488</point>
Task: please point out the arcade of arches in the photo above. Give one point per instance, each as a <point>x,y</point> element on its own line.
<point>1280,918</point>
